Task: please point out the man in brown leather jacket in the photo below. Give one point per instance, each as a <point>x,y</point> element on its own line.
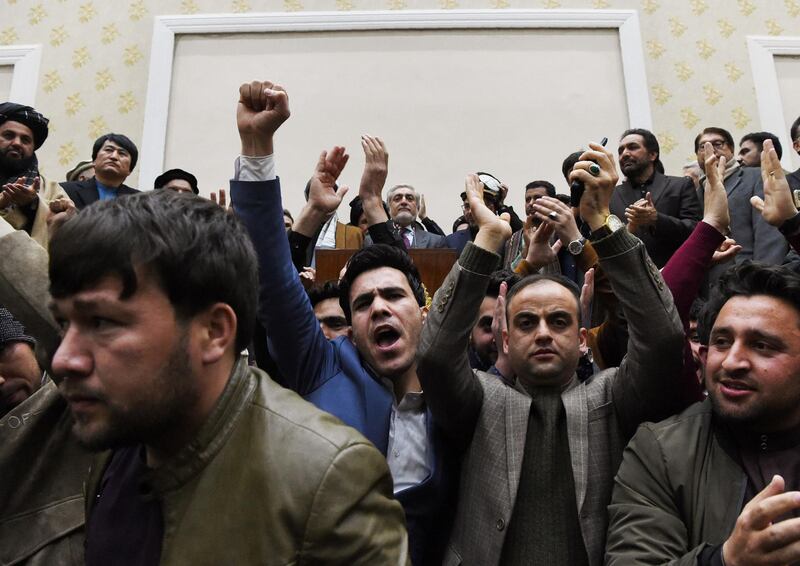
<point>206,461</point>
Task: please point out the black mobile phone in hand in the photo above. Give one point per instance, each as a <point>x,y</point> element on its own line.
<point>576,188</point>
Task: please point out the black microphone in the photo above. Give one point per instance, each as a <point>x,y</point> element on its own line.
<point>576,188</point>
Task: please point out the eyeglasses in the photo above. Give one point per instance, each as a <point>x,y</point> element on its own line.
<point>718,144</point>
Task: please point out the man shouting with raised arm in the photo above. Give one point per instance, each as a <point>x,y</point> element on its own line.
<point>369,382</point>
<point>532,448</point>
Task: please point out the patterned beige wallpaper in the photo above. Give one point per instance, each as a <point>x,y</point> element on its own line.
<point>95,59</point>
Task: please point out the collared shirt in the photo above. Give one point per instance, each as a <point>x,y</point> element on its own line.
<point>106,193</point>
<point>407,454</point>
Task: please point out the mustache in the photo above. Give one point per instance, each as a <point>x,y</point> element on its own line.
<point>80,392</point>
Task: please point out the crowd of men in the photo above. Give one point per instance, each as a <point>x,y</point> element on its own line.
<point>613,378</point>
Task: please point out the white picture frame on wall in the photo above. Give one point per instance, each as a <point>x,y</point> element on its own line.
<point>25,60</point>
<point>624,22</point>
<point>762,50</point>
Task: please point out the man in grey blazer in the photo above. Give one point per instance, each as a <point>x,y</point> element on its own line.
<point>540,448</point>
<point>403,208</point>
<point>760,241</point>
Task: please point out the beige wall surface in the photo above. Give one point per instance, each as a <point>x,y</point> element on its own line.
<point>95,58</point>
<point>458,112</point>
<point>6,73</point>
<point>788,71</point>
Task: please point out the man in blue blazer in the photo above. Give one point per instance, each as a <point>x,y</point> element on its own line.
<point>368,380</point>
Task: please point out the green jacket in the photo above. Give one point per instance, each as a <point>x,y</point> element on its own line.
<point>271,479</point>
<point>677,491</point>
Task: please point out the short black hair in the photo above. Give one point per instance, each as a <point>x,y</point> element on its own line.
<point>501,275</point>
<point>650,144</point>
<point>173,174</point>
<point>123,141</point>
<point>375,257</point>
<point>548,186</point>
<point>748,279</point>
<point>758,138</point>
<point>569,162</point>
<point>696,309</point>
<point>794,131</point>
<point>319,293</point>
<point>458,222</point>
<point>197,252</point>
<point>529,280</point>
<point>714,130</point>
<point>357,209</point>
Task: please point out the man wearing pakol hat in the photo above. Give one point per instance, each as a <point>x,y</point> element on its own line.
<point>177,180</point>
<point>82,171</point>
<point>114,157</point>
<point>494,193</point>
<point>23,130</point>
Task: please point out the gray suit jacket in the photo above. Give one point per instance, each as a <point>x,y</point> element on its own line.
<point>760,241</point>
<point>422,239</point>
<point>488,419</point>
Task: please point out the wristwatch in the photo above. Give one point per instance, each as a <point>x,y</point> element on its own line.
<point>575,247</point>
<point>611,225</point>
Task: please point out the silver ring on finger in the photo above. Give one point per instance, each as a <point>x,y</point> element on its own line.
<point>552,215</point>
<point>594,169</point>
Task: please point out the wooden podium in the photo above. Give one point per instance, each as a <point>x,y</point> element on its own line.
<point>433,265</point>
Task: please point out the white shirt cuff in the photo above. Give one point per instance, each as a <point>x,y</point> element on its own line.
<point>255,168</point>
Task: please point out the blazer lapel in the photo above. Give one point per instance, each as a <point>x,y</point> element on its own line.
<point>657,187</point>
<point>733,182</point>
<point>89,192</point>
<point>574,400</point>
<point>518,408</point>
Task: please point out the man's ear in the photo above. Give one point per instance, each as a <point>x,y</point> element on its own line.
<point>505,341</point>
<point>215,332</point>
<point>702,352</point>
<point>583,343</point>
<point>424,311</point>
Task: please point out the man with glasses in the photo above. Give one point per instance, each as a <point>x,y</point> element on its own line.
<point>760,241</point>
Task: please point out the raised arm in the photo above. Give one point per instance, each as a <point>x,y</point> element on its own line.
<point>376,167</point>
<point>303,355</point>
<point>452,391</point>
<point>644,388</point>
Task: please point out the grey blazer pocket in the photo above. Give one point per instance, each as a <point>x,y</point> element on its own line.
<point>451,557</point>
<point>601,412</point>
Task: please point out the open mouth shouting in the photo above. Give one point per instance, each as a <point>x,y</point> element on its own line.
<point>386,337</point>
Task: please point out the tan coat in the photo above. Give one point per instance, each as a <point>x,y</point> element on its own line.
<point>38,231</point>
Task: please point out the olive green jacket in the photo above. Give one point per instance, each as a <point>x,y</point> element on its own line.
<point>271,479</point>
<point>677,491</point>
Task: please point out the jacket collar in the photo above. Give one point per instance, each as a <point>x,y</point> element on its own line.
<point>213,435</point>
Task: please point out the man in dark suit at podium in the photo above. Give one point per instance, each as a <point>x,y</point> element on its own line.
<point>114,157</point>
